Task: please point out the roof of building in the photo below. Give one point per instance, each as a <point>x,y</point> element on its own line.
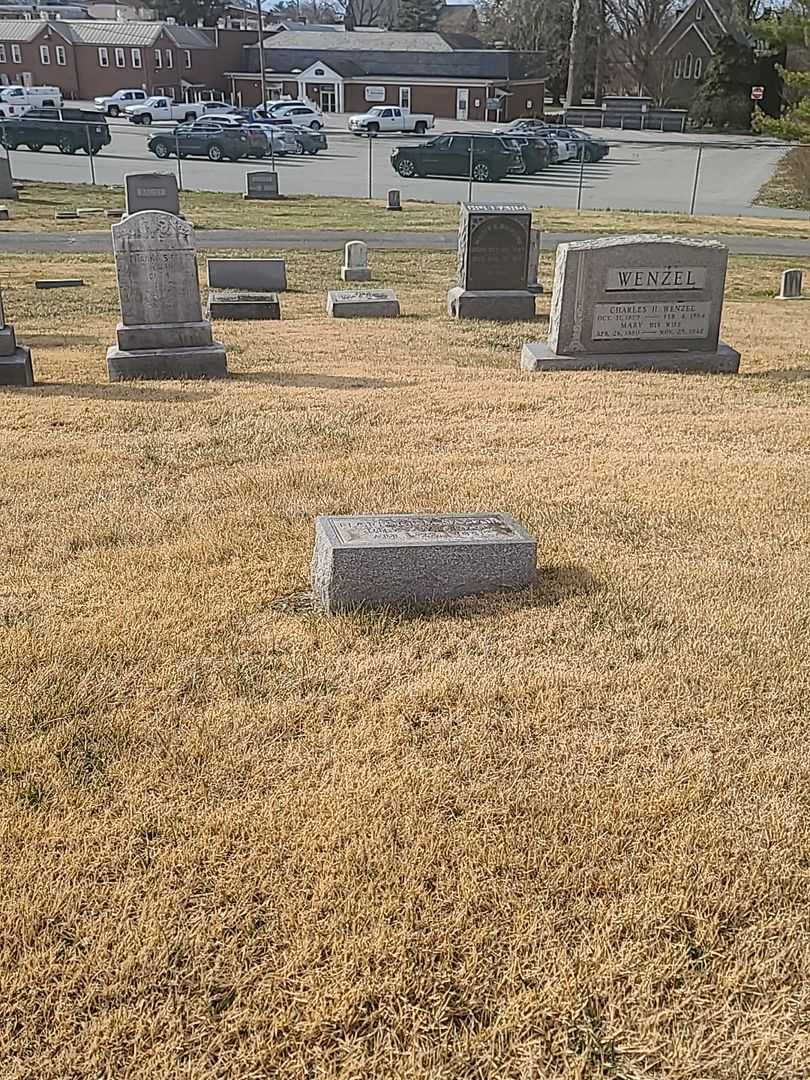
<point>309,28</point>
<point>361,40</point>
<point>465,64</point>
<point>22,29</point>
<point>111,32</point>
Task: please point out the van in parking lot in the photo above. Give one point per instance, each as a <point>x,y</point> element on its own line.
<point>16,100</point>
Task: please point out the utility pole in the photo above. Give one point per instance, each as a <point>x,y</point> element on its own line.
<point>573,95</point>
<point>263,96</point>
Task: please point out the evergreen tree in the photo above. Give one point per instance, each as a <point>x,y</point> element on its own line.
<point>791,27</point>
<point>724,97</point>
<point>419,14</point>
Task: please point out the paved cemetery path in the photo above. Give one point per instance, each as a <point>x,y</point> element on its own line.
<point>334,239</point>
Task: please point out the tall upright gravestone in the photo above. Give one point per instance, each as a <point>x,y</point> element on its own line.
<point>162,334</point>
<point>493,263</point>
<point>151,191</point>
<point>636,303</point>
<point>15,359</point>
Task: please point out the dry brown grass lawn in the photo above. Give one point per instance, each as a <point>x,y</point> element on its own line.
<point>562,834</point>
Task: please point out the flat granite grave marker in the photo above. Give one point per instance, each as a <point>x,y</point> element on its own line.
<point>362,303</point>
<point>355,262</point>
<point>791,288</point>
<point>151,191</point>
<point>493,263</point>
<point>7,189</point>
<point>162,334</point>
<point>239,305</point>
<point>257,275</point>
<point>396,560</point>
<point>649,303</point>
<point>15,359</point>
<point>261,184</point>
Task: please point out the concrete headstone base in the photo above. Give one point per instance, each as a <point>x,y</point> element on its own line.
<point>355,273</point>
<point>16,369</point>
<point>537,356</point>
<point>203,362</point>
<point>505,305</point>
<point>238,306</point>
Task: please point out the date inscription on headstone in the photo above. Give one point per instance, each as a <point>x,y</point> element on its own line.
<point>649,321</point>
<point>416,529</point>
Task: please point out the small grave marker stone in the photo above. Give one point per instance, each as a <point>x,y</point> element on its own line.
<point>394,200</point>
<point>362,304</point>
<point>791,285</point>
<point>15,359</point>
<point>355,262</point>
<point>261,184</point>
<point>152,191</point>
<point>7,189</point>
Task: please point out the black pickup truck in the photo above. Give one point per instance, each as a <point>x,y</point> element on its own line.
<point>67,129</point>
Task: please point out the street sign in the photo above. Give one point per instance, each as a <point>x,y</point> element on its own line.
<point>757,93</point>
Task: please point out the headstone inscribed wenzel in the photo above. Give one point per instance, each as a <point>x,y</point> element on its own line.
<point>636,302</point>
<point>162,334</point>
<point>404,559</point>
<point>152,191</point>
<point>15,360</point>
<point>493,263</point>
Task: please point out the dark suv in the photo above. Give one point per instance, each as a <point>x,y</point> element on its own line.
<point>68,129</point>
<point>483,157</point>
<point>203,138</point>
<point>536,153</point>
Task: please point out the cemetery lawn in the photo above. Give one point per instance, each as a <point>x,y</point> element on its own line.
<point>562,833</point>
<point>35,209</point>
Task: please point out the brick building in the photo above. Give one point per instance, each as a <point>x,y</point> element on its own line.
<point>88,57</point>
<point>449,75</point>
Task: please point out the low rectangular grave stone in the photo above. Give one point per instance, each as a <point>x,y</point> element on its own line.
<point>493,263</point>
<point>15,359</point>
<point>238,306</point>
<point>394,200</point>
<point>152,191</point>
<point>362,303</point>
<point>398,560</point>
<point>4,214</point>
<point>162,334</point>
<point>66,215</point>
<point>255,275</point>
<point>633,303</point>
<point>59,283</point>
<point>261,184</point>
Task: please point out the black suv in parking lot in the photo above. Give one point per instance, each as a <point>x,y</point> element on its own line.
<point>68,129</point>
<point>203,138</point>
<point>449,155</point>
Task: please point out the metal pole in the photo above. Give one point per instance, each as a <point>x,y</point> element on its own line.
<point>469,185</point>
<point>179,166</point>
<point>695,185</point>
<point>581,176</point>
<point>90,154</point>
<point>370,156</point>
<point>261,53</point>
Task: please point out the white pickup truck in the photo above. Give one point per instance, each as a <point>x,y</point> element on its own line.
<point>163,108</point>
<point>385,118</point>
<point>17,100</point>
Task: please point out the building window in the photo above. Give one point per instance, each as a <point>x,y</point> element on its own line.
<point>158,58</point>
<point>187,57</point>
<point>169,58</point>
<point>61,56</point>
<point>2,54</point>
<point>678,68</point>
<point>698,67</point>
<point>687,66</point>
<point>135,56</point>
<point>44,54</point>
<point>120,58</point>
<point>699,12</point>
<point>103,58</point>
<point>16,54</point>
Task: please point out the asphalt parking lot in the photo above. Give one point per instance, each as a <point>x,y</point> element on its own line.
<point>644,171</point>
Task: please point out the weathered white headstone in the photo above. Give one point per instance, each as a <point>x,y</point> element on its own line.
<point>395,560</point>
<point>15,360</point>
<point>791,285</point>
<point>355,262</point>
<point>636,302</point>
<point>162,334</point>
<point>151,191</point>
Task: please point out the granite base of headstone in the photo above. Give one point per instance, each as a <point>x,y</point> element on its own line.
<point>7,189</point>
<point>254,275</point>
<point>493,264</point>
<point>402,560</point>
<point>162,334</point>
<point>15,359</point>
<point>362,304</point>
<point>151,191</point>
<point>238,305</point>
<point>791,285</point>
<point>261,185</point>
<point>632,303</point>
<point>355,262</point>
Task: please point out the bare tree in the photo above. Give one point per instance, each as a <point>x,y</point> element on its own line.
<point>637,27</point>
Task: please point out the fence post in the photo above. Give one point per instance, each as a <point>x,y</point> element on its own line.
<point>581,177</point>
<point>697,176</point>
<point>370,160</point>
<point>90,154</point>
<point>179,165</point>
<point>470,178</point>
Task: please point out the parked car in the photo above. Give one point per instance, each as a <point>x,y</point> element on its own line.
<point>449,155</point>
<point>202,138</point>
<point>561,149</point>
<point>68,129</point>
<point>16,100</point>
<point>385,118</point>
<point>526,126</point>
<point>536,153</point>
<point>163,108</point>
<point>593,149</point>
<point>115,104</point>
<point>286,112</point>
<point>306,141</point>
<point>280,138</point>
<point>258,137</point>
